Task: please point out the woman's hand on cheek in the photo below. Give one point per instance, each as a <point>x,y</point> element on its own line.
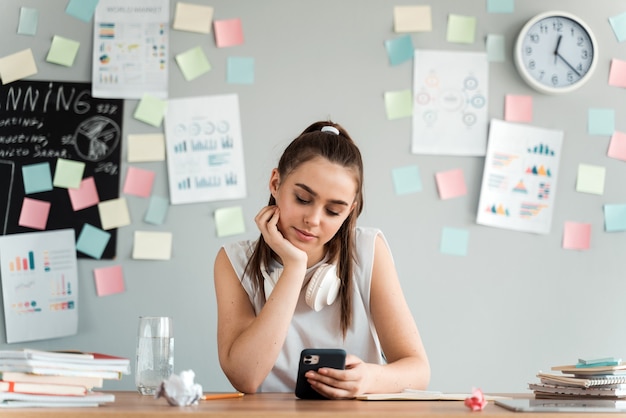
<point>267,222</point>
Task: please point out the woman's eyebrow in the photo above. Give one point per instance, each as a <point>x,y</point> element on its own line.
<point>311,192</point>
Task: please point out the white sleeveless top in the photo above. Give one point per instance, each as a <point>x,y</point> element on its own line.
<point>310,329</point>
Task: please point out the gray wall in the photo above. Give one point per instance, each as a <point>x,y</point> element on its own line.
<point>516,304</point>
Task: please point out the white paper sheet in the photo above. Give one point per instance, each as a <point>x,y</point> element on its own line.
<point>39,285</point>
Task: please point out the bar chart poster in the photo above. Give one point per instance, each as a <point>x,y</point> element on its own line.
<point>39,285</point>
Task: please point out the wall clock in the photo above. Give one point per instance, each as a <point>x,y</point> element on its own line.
<point>556,52</point>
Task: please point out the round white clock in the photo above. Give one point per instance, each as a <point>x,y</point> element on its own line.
<point>556,52</point>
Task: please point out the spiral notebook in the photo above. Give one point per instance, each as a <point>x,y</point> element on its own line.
<point>617,381</point>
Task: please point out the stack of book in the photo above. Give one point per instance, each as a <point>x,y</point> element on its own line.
<point>31,378</point>
<point>595,378</point>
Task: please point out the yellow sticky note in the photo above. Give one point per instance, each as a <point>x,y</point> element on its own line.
<point>17,66</point>
<point>590,179</point>
<point>150,245</point>
<point>399,104</point>
<point>461,29</point>
<point>193,18</point>
<point>193,63</point>
<point>229,221</point>
<point>146,147</point>
<point>114,213</point>
<point>63,51</point>
<point>412,19</point>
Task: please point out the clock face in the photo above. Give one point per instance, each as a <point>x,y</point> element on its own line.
<point>555,52</point>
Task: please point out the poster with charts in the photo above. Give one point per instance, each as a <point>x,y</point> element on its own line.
<point>39,285</point>
<point>204,149</point>
<point>520,177</point>
<point>450,93</point>
<point>130,49</point>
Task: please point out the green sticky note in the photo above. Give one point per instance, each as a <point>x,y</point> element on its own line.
<point>461,29</point>
<point>63,51</point>
<point>240,70</point>
<point>193,63</point>
<point>229,221</point>
<point>454,241</point>
<point>151,110</point>
<point>68,174</point>
<point>590,179</point>
<point>407,180</point>
<point>399,104</point>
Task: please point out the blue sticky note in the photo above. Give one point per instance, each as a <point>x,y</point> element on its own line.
<point>495,47</point>
<point>407,179</point>
<point>37,178</point>
<point>454,241</point>
<point>29,20</point>
<point>81,9</point>
<point>240,70</point>
<point>618,23</point>
<point>92,241</point>
<point>615,217</point>
<point>500,6</point>
<point>601,122</point>
<point>400,49</point>
<point>157,210</point>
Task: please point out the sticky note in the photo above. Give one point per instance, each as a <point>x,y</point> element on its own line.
<point>29,20</point>
<point>146,147</point>
<point>240,70</point>
<point>228,32</point>
<point>601,121</point>
<point>68,174</point>
<point>412,18</point>
<point>17,66</point>
<point>151,110</point>
<point>590,179</point>
<point>34,213</point>
<point>615,217</point>
<point>109,280</point>
<point>617,146</point>
<point>37,178</point>
<point>617,73</point>
<point>451,183</point>
<point>139,181</point>
<point>399,104</point>
<point>92,241</point>
<point>400,49</point>
<point>193,63</point>
<point>85,196</point>
<point>81,9</point>
<point>500,6</point>
<point>149,245</point>
<point>454,241</point>
<point>576,236</point>
<point>114,213</point>
<point>461,29</point>
<point>406,179</point>
<point>618,24</point>
<point>518,108</point>
<point>495,47</point>
<point>157,210</point>
<point>193,17</point>
<point>62,51</point>
<point>229,221</point>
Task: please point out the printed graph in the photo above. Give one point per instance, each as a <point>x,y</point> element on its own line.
<point>23,263</point>
<point>541,149</point>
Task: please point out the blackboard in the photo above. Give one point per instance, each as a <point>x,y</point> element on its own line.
<point>42,121</point>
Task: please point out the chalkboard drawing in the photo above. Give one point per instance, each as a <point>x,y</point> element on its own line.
<point>96,138</point>
<point>7,175</point>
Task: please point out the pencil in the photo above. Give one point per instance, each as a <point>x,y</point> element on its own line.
<point>221,396</point>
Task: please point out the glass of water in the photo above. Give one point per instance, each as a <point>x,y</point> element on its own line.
<point>155,353</point>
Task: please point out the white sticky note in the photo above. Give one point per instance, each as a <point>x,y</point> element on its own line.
<point>114,213</point>
<point>150,245</point>
<point>193,18</point>
<point>17,66</point>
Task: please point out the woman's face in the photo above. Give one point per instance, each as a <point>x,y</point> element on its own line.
<point>314,201</point>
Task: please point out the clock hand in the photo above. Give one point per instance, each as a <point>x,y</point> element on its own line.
<point>568,64</point>
<point>556,50</point>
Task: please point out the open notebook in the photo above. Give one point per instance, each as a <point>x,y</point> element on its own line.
<point>420,395</point>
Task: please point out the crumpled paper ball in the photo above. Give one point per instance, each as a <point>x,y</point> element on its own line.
<point>180,390</point>
<point>477,401</point>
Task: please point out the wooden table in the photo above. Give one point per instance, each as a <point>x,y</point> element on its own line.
<point>132,404</point>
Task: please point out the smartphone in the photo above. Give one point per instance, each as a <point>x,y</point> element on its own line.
<point>313,359</point>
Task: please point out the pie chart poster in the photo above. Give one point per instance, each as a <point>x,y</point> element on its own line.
<point>42,122</point>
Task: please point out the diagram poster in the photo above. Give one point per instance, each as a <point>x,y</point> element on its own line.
<point>204,149</point>
<point>520,176</point>
<point>450,92</point>
<point>39,285</point>
<point>130,51</point>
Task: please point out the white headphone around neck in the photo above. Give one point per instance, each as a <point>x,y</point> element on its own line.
<point>322,289</point>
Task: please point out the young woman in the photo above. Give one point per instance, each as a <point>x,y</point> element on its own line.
<point>275,294</point>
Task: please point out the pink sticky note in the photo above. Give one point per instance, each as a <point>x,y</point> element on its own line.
<point>139,182</point>
<point>617,73</point>
<point>109,280</point>
<point>228,32</point>
<point>34,213</point>
<point>617,146</point>
<point>576,236</point>
<point>518,108</point>
<point>451,183</point>
<point>85,196</point>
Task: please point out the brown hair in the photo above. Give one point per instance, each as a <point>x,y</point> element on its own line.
<point>340,149</point>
